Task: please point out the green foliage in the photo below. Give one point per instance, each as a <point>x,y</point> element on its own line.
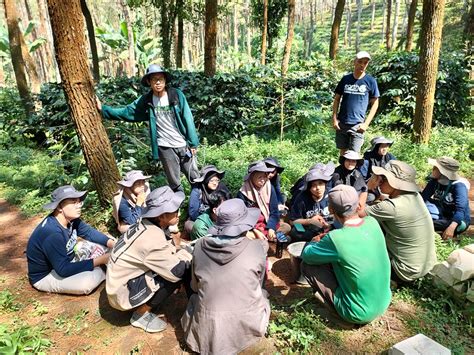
<point>396,74</point>
<point>297,329</point>
<point>8,302</point>
<point>22,339</point>
<point>277,9</point>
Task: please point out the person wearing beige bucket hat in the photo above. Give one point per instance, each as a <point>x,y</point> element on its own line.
<point>145,267</point>
<point>230,309</point>
<point>403,216</point>
<point>340,267</point>
<point>446,196</point>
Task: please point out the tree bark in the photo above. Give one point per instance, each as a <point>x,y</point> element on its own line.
<point>289,37</point>
<point>388,43</point>
<point>395,24</point>
<point>235,22</point>
<point>264,32</point>
<point>383,20</point>
<point>16,40</point>
<point>469,28</point>
<point>411,25</point>
<point>372,19</point>
<point>336,25</point>
<point>359,13</point>
<point>168,16</point>
<point>38,53</point>
<point>347,33</point>
<point>45,31</point>
<point>248,34</point>
<point>180,41</point>
<point>68,32</point>
<point>92,44</point>
<point>131,63</point>
<point>210,35</point>
<point>431,31</point>
<point>311,29</point>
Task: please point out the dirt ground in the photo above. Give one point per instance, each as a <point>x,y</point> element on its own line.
<point>89,324</point>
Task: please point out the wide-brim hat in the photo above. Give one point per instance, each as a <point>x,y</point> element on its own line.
<point>131,177</point>
<point>319,171</point>
<point>351,155</point>
<point>154,69</point>
<point>62,193</point>
<point>273,163</point>
<point>447,166</point>
<point>162,200</point>
<point>208,170</point>
<point>257,166</point>
<point>234,218</point>
<point>400,175</point>
<point>379,140</point>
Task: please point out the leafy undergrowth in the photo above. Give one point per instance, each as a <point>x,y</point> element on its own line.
<point>21,338</point>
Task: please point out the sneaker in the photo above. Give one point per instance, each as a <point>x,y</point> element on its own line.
<point>148,321</point>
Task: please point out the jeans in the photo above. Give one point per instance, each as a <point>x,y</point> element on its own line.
<point>175,161</point>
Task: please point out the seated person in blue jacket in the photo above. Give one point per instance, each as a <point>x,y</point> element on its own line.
<point>258,192</point>
<point>129,200</point>
<point>347,173</point>
<point>377,155</point>
<point>174,140</point>
<point>309,213</point>
<point>275,180</point>
<point>54,262</point>
<point>349,268</point>
<point>210,181</point>
<point>446,196</point>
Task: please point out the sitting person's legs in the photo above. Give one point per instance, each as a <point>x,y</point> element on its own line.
<point>322,279</point>
<point>79,284</point>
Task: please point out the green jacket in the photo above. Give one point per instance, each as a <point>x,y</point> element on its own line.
<point>142,110</point>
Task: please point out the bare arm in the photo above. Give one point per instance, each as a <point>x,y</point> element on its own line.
<point>335,108</point>
<point>373,110</point>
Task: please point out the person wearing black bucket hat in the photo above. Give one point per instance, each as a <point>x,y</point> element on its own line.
<point>447,197</point>
<point>275,180</point>
<point>173,135</point>
<point>230,309</point>
<point>348,173</point>
<point>56,261</point>
<point>145,267</point>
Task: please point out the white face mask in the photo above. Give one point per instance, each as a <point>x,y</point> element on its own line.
<point>443,180</point>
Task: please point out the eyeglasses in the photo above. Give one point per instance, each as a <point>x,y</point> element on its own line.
<point>157,80</point>
<point>215,180</point>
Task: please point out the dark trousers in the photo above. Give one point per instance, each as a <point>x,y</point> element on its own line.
<point>175,161</point>
<point>167,288</point>
<point>322,279</point>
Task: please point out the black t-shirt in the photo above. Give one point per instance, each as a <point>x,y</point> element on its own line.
<point>352,178</point>
<point>305,207</point>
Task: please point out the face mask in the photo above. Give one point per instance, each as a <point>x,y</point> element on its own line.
<point>443,180</point>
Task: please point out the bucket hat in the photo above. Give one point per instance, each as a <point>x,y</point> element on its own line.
<point>259,166</point>
<point>343,199</point>
<point>363,54</point>
<point>319,171</point>
<point>399,174</point>
<point>207,170</point>
<point>351,155</point>
<point>234,218</point>
<point>379,140</point>
<point>447,166</point>
<point>153,69</point>
<point>131,177</point>
<point>272,162</point>
<point>162,200</point>
<point>62,193</point>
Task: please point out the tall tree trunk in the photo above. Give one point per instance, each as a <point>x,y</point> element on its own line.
<point>131,65</point>
<point>411,25</point>
<point>264,32</point>
<point>336,25</point>
<point>16,40</point>
<point>168,16</point>
<point>395,23</point>
<point>431,31</point>
<point>235,22</point>
<point>469,28</point>
<point>372,19</point>
<point>359,13</point>
<point>388,43</point>
<point>347,33</point>
<point>180,41</point>
<point>248,33</point>
<point>92,44</point>
<point>45,31</point>
<point>384,3</point>
<point>68,32</point>
<point>311,29</point>
<point>38,53</point>
<point>210,52</point>
<point>289,37</point>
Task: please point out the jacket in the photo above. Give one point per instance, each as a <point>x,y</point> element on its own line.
<point>230,310</point>
<point>142,110</point>
<point>140,254</point>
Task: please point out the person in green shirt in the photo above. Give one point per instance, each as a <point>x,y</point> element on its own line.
<point>206,220</point>
<point>349,268</point>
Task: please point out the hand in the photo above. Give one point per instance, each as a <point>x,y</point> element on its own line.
<point>282,207</point>
<point>101,260</point>
<point>449,232</point>
<point>98,104</point>
<point>362,127</point>
<point>141,198</point>
<point>335,124</point>
<point>373,182</point>
<point>111,243</point>
<point>318,221</point>
<point>271,235</point>
<point>316,238</point>
<point>193,151</point>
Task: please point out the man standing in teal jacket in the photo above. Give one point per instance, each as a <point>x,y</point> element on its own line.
<point>173,135</point>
